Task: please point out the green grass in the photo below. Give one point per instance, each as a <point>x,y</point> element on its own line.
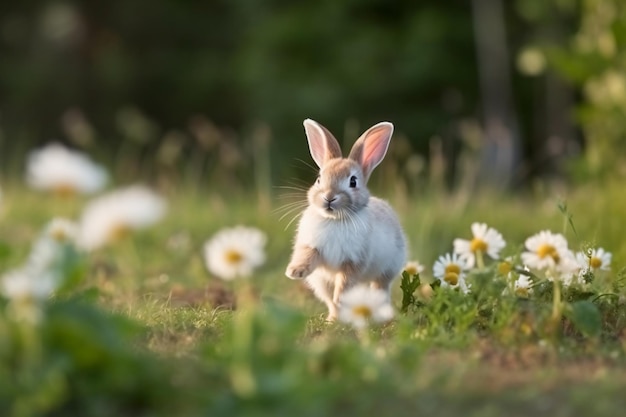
<point>142,335</point>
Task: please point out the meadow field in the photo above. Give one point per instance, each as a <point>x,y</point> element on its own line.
<point>140,327</point>
<point>153,167</point>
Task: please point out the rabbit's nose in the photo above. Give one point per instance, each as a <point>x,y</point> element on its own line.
<point>329,201</point>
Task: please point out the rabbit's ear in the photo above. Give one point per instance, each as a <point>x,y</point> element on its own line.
<point>370,149</point>
<point>322,143</point>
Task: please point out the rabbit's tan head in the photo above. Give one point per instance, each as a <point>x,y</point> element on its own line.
<point>339,190</point>
<point>341,187</point>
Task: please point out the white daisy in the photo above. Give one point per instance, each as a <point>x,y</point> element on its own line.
<point>545,250</point>
<point>486,240</point>
<point>414,268</point>
<point>235,252</point>
<point>28,282</point>
<point>45,253</point>
<point>64,171</point>
<point>523,286</point>
<point>43,273</point>
<point>362,305</point>
<point>27,287</point>
<point>506,267</point>
<point>62,230</point>
<point>46,256</point>
<point>450,270</point>
<point>114,215</point>
<point>595,259</point>
<point>570,269</point>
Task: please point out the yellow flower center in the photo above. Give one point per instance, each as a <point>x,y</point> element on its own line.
<point>64,190</point>
<point>451,278</point>
<point>453,268</point>
<point>411,269</point>
<point>521,292</point>
<point>504,268</point>
<point>546,250</point>
<point>59,235</point>
<point>595,262</point>
<point>478,244</point>
<point>119,232</point>
<point>362,311</point>
<point>233,256</point>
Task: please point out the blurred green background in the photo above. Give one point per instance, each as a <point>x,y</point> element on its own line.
<point>481,92</point>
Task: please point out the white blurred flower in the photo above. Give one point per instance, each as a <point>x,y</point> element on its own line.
<point>47,251</point>
<point>235,252</point>
<point>507,266</point>
<point>523,286</point>
<point>595,259</point>
<point>62,230</point>
<point>43,273</point>
<point>569,269</point>
<point>26,287</point>
<point>28,282</point>
<point>450,270</point>
<point>114,215</point>
<point>486,240</point>
<point>414,268</point>
<point>64,171</point>
<point>362,305</point>
<point>545,250</point>
<point>42,269</point>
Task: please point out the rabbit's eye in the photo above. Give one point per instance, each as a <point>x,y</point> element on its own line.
<point>353,182</point>
<point>317,181</point>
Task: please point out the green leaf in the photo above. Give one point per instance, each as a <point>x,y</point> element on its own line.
<point>73,268</point>
<point>585,316</point>
<point>408,285</point>
<point>568,215</point>
<point>5,251</point>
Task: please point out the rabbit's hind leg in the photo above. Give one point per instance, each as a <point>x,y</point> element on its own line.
<point>382,283</point>
<point>344,279</point>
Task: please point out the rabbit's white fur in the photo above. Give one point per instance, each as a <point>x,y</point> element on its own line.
<point>345,237</point>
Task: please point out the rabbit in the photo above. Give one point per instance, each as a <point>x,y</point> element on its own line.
<point>346,237</point>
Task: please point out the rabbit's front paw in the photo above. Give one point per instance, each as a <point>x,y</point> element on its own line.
<point>295,271</point>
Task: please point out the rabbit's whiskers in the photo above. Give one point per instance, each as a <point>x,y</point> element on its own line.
<point>292,187</point>
<point>357,222</point>
<point>349,216</point>
<point>297,216</point>
<point>288,209</point>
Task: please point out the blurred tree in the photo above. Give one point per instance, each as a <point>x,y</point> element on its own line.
<point>236,62</point>
<point>594,59</point>
<point>121,76</point>
<point>408,62</point>
<point>546,100</point>
<point>501,148</point>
